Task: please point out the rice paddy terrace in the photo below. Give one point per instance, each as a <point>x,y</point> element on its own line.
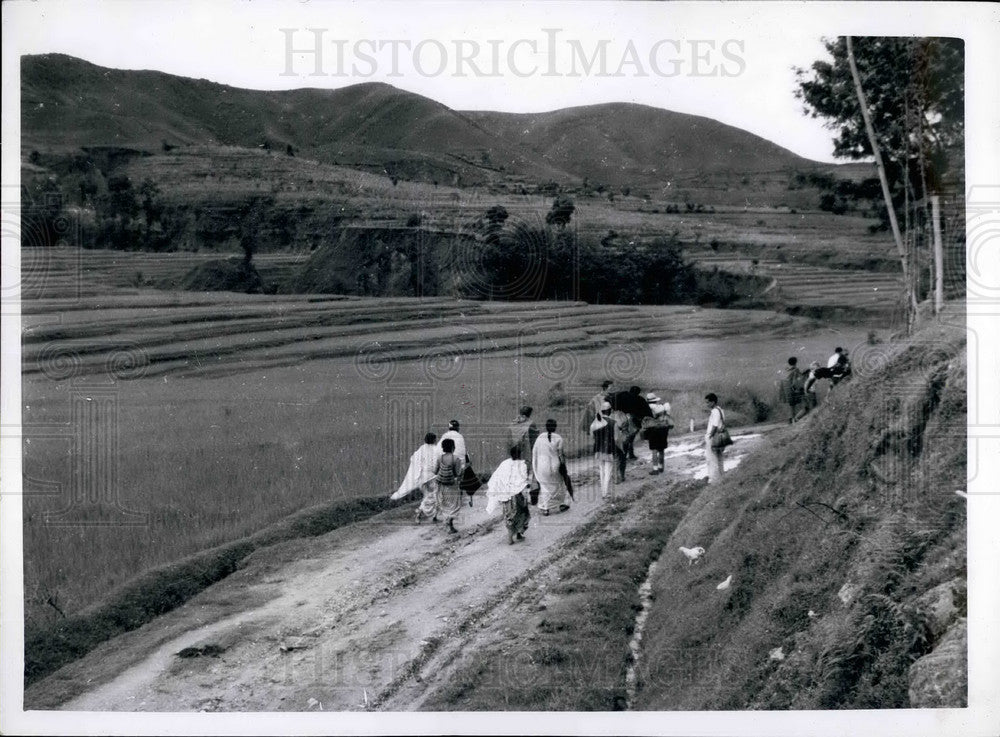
<point>86,312</point>
<point>82,313</point>
<point>802,285</point>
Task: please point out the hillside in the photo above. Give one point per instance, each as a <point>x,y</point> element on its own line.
<point>625,144</point>
<point>846,543</point>
<point>68,102</point>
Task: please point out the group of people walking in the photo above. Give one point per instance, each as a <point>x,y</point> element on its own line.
<point>535,472</point>
<point>798,386</point>
<point>615,420</point>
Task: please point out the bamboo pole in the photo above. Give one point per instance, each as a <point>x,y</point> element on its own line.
<point>938,255</point>
<point>886,194</point>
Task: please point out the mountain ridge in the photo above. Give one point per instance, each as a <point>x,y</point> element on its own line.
<point>70,101</point>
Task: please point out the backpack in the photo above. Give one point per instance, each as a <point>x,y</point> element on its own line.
<point>795,383</point>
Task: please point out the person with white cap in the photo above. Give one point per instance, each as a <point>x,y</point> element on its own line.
<point>605,449</point>
<point>656,430</point>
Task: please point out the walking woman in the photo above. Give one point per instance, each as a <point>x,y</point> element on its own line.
<point>447,473</point>
<point>422,474</point>
<point>508,489</point>
<point>547,458</point>
<point>716,423</point>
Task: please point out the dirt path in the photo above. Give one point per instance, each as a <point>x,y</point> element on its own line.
<point>370,616</point>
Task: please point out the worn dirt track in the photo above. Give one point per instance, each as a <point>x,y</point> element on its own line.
<point>373,616</point>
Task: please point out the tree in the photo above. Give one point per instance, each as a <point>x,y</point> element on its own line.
<point>251,216</point>
<point>497,215</point>
<point>561,212</point>
<point>899,101</point>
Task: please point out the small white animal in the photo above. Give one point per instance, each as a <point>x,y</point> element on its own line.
<point>812,614</point>
<point>777,654</point>
<point>693,554</point>
<point>725,584</point>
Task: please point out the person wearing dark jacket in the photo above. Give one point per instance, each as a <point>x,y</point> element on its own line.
<point>633,404</point>
<point>792,391</point>
<point>605,451</point>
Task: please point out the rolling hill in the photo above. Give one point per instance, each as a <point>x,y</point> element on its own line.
<point>624,143</point>
<point>70,103</point>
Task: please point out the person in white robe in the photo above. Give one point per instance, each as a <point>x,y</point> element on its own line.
<point>507,489</point>
<point>422,474</point>
<point>547,458</point>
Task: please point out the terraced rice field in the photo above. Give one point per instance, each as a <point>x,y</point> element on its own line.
<point>227,412</point>
<point>82,316</point>
<point>801,285</point>
<point>158,333</point>
<point>70,274</point>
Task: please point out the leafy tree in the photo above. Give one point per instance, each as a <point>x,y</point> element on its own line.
<point>152,208</point>
<point>497,215</point>
<point>901,102</point>
<point>561,212</point>
<point>42,203</point>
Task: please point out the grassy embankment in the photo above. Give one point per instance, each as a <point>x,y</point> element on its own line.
<point>846,546</point>
<point>832,537</point>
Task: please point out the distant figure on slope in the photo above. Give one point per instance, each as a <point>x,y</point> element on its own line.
<point>593,407</point>
<point>447,473</point>
<point>841,369</point>
<point>716,423</point>
<point>507,489</point>
<point>811,397</point>
<point>793,391</point>
<point>548,459</point>
<point>836,358</point>
<point>656,429</point>
<point>523,433</point>
<point>421,475</point>
<point>839,365</point>
<point>605,449</point>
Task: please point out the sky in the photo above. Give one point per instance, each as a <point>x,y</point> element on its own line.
<point>733,63</point>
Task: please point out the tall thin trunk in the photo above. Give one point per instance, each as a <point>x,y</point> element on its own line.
<point>911,298</point>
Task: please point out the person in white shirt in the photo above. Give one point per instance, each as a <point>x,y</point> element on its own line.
<point>713,456</point>
<point>835,358</point>
<point>456,436</point>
